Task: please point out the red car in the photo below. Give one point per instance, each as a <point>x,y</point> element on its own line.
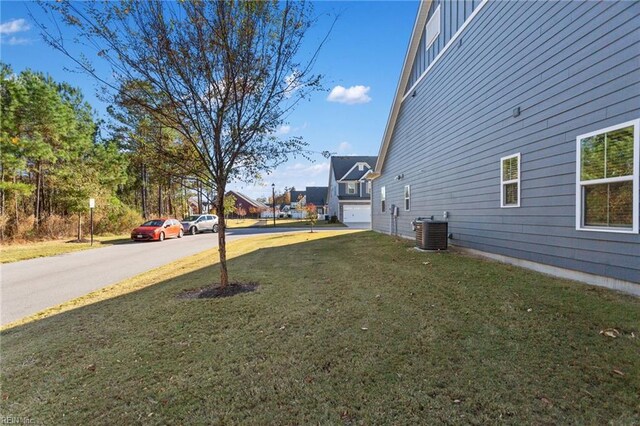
<point>157,230</point>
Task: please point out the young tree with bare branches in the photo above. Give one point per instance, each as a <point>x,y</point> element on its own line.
<point>222,75</point>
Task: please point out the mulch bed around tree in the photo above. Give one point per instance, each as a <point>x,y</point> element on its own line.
<point>216,292</point>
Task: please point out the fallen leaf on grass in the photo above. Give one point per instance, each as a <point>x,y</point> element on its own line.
<point>610,332</point>
<point>364,328</point>
<point>91,367</point>
<point>545,400</point>
<point>618,372</point>
<point>426,263</point>
<point>457,401</point>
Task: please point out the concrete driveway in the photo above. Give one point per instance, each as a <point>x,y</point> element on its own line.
<point>359,225</point>
<point>30,286</point>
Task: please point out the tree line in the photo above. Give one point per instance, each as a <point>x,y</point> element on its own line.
<point>55,154</point>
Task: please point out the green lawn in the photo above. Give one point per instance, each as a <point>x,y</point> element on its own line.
<point>303,223</point>
<point>15,252</point>
<point>353,329</point>
<point>280,222</point>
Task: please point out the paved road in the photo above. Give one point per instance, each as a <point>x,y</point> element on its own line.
<point>32,285</point>
<point>359,225</point>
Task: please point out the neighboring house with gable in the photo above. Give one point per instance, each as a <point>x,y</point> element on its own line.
<point>317,195</point>
<point>253,207</point>
<point>297,198</point>
<point>349,192</point>
<point>518,122</point>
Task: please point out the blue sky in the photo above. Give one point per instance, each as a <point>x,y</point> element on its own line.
<point>361,63</point>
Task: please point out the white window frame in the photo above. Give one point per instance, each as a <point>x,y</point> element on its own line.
<point>407,198</point>
<point>635,178</point>
<point>360,167</point>
<point>351,185</point>
<point>503,182</point>
<point>368,187</point>
<point>383,199</point>
<point>434,20</point>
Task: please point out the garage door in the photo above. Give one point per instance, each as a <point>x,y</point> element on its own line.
<point>356,214</point>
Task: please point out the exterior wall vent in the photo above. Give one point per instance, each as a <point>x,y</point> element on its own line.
<point>431,235</point>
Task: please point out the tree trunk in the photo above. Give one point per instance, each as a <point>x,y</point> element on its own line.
<point>222,243</point>
<point>79,226</point>
<point>38,190</point>
<point>16,196</point>
<point>143,192</point>
<point>185,203</point>
<point>159,200</point>
<point>2,204</point>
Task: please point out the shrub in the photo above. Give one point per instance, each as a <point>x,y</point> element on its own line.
<point>118,220</point>
<point>54,227</point>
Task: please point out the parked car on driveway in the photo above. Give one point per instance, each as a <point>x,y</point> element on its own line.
<point>157,230</point>
<point>200,223</point>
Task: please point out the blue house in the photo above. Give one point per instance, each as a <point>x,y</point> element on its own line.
<point>349,190</point>
<point>518,123</point>
<point>317,195</point>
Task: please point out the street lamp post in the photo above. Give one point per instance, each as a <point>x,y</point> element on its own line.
<point>273,199</point>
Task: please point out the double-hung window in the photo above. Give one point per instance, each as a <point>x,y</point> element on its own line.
<point>351,188</point>
<point>607,179</point>
<point>510,181</point>
<point>383,199</point>
<point>407,197</point>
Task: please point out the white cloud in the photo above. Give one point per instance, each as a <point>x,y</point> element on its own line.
<point>344,148</point>
<point>350,96</point>
<point>284,129</point>
<point>292,83</point>
<point>302,170</point>
<point>14,26</point>
<point>16,41</point>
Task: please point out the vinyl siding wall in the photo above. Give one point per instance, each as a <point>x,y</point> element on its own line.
<point>572,68</point>
<point>453,13</point>
<point>333,204</point>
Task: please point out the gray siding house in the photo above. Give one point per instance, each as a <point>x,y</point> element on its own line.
<point>518,122</point>
<point>317,195</point>
<point>349,191</point>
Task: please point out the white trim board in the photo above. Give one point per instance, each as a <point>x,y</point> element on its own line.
<point>353,167</point>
